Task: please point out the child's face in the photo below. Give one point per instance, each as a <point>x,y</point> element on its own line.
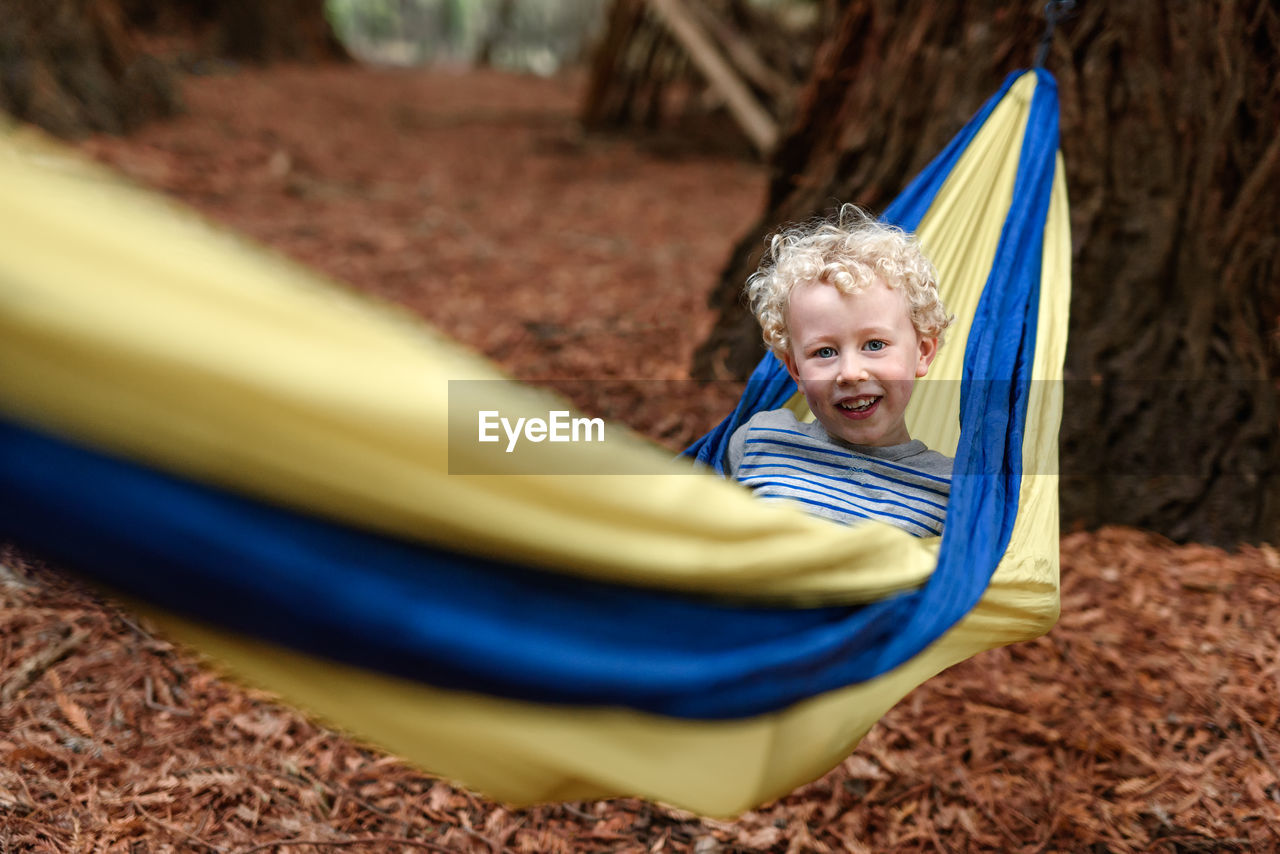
<point>856,357</point>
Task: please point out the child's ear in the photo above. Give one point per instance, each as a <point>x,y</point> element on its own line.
<point>928,349</point>
<point>789,362</point>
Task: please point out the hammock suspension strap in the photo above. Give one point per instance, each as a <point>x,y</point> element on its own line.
<point>1054,11</point>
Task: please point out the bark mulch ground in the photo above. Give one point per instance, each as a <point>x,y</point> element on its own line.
<point>1147,721</point>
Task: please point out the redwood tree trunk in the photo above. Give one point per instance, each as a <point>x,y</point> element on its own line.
<point>246,30</point>
<point>1169,129</point>
<point>75,66</point>
<point>71,66</point>
<point>275,31</point>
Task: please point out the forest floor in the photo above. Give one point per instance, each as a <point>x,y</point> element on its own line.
<point>1148,720</point>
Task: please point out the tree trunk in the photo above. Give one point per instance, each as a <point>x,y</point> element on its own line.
<point>245,30</point>
<point>276,31</point>
<point>75,66</point>
<point>1169,129</point>
<point>631,70</point>
<point>498,27</point>
<point>71,67</point>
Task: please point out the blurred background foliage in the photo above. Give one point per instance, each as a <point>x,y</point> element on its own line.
<point>538,36</point>
<point>532,36</point>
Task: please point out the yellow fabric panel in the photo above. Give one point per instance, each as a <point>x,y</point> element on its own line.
<point>524,753</point>
<point>135,327</point>
<point>1022,600</point>
<point>960,235</point>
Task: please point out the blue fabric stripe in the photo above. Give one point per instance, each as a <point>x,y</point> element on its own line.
<point>842,454</point>
<point>924,530</point>
<point>761,455</point>
<point>784,432</point>
<point>462,622</point>
<point>1001,345</point>
<point>845,505</point>
<point>800,446</point>
<point>822,504</point>
<point>840,485</point>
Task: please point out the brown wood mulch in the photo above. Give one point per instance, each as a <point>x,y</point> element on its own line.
<point>1147,721</point>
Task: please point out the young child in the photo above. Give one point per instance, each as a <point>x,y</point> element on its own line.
<point>851,307</point>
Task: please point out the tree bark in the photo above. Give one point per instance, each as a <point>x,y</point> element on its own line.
<point>276,31</point>
<point>1169,130</point>
<point>72,67</point>
<point>75,66</point>
<point>244,30</point>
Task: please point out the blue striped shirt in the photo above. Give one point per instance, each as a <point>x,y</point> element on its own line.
<point>783,459</point>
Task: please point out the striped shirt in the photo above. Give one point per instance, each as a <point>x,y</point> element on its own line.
<point>781,458</point>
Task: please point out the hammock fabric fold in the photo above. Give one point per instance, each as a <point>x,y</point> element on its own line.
<point>261,462</point>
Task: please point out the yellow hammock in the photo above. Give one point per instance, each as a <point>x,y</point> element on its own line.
<point>132,328</point>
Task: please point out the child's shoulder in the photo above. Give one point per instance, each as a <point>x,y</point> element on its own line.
<point>781,423</point>
<point>777,422</point>
<point>784,420</point>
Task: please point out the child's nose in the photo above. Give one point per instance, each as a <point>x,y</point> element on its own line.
<point>852,369</point>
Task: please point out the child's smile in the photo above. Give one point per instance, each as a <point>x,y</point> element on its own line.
<point>858,408</point>
<point>856,358</point>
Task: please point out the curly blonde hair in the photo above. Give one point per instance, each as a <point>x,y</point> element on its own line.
<point>850,251</point>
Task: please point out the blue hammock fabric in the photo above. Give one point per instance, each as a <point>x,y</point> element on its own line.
<point>498,628</point>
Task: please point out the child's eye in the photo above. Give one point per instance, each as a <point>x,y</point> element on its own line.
<point>875,345</point>
<point>825,352</point>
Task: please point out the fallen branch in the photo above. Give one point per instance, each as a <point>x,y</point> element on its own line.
<point>753,118</point>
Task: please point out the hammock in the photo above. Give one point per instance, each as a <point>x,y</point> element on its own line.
<point>262,463</point>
